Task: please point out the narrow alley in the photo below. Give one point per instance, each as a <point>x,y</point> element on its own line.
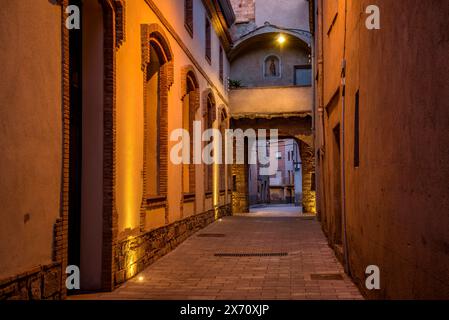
<point>224,150</point>
<point>270,253</point>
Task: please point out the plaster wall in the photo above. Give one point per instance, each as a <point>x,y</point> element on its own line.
<point>292,14</point>
<point>248,66</point>
<point>130,106</point>
<point>30,133</point>
<point>271,100</point>
<point>396,200</point>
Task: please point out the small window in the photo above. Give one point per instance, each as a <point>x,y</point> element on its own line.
<point>188,16</point>
<point>303,75</point>
<point>208,41</point>
<point>234,183</point>
<point>278,155</point>
<point>272,67</point>
<point>221,65</point>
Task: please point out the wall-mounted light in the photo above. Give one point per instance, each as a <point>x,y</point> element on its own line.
<point>281,39</point>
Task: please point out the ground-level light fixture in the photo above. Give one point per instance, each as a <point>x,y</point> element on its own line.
<point>281,39</point>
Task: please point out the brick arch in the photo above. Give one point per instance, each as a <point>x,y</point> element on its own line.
<point>153,35</point>
<point>223,124</point>
<point>185,72</point>
<point>223,110</point>
<point>209,94</point>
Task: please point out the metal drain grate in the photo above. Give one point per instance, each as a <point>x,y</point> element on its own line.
<point>327,276</point>
<point>264,254</point>
<point>211,235</point>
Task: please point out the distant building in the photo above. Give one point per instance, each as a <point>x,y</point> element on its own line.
<point>271,87</point>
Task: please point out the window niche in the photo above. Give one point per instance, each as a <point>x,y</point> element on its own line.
<point>272,67</point>
<point>157,67</point>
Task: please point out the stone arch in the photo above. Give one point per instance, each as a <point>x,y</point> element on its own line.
<point>153,38</point>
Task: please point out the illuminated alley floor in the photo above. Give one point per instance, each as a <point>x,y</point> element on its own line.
<point>271,253</point>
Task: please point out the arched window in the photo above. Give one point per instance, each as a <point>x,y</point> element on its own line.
<point>190,105</point>
<point>157,66</point>
<point>153,113</point>
<point>209,118</point>
<point>272,67</point>
<point>223,127</point>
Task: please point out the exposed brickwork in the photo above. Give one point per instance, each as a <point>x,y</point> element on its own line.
<point>134,255</point>
<point>155,33</point>
<point>240,196</point>
<point>60,247</point>
<point>110,215</point>
<point>194,104</point>
<point>43,282</point>
<point>209,109</point>
<point>120,22</point>
<point>308,170</point>
<point>110,218</point>
<point>245,10</point>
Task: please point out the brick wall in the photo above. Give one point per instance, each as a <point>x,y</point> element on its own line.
<point>245,10</point>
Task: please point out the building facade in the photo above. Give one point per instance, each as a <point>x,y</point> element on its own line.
<point>101,191</point>
<point>381,121</point>
<point>271,82</point>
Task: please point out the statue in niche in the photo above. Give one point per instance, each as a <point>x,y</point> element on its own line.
<point>272,66</point>
<point>273,69</point>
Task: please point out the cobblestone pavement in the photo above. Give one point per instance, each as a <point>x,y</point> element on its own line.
<point>192,271</point>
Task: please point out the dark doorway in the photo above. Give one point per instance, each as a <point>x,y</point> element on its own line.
<point>86,73</point>
<point>336,160</point>
<point>75,149</point>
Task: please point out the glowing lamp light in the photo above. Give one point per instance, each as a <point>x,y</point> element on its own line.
<point>140,278</point>
<point>281,39</point>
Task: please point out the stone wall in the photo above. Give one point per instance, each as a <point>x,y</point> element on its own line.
<point>240,195</point>
<point>308,167</point>
<point>42,282</point>
<point>134,254</point>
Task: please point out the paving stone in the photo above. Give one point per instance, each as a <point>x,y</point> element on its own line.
<point>192,271</point>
